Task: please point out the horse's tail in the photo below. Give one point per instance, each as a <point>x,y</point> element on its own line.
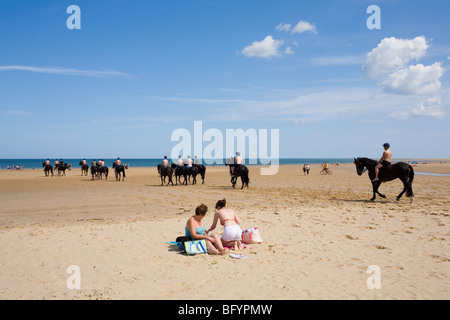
<point>409,192</point>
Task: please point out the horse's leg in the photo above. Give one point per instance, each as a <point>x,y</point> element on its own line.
<point>374,189</point>
<point>405,188</point>
<point>378,184</point>
<point>242,180</point>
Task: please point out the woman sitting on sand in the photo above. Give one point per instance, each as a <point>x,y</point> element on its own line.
<point>196,231</point>
<point>228,218</point>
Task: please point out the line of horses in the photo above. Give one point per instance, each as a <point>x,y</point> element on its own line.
<point>98,172</point>
<point>60,169</point>
<point>400,170</point>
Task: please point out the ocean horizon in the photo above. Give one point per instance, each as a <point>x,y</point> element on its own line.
<point>153,162</point>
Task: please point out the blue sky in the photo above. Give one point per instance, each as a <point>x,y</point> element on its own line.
<point>138,70</point>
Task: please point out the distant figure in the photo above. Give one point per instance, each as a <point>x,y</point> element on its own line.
<point>304,169</point>
<point>308,168</point>
<point>196,160</point>
<point>385,160</point>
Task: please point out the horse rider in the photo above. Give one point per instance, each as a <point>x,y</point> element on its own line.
<point>189,162</point>
<point>165,162</point>
<point>237,161</point>
<point>180,162</point>
<point>56,163</point>
<point>83,162</point>
<point>94,163</point>
<point>101,163</point>
<point>47,162</point>
<point>384,162</point>
<point>118,162</point>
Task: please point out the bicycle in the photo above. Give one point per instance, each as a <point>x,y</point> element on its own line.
<point>325,172</point>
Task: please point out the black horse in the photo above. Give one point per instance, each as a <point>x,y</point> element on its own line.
<point>84,168</point>
<point>47,169</point>
<point>165,171</point>
<point>119,170</point>
<point>103,170</point>
<point>179,171</point>
<point>192,171</point>
<point>239,171</point>
<point>94,173</point>
<point>201,171</point>
<point>62,167</point>
<point>400,170</point>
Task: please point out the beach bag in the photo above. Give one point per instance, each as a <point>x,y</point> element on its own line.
<point>251,235</point>
<point>195,247</point>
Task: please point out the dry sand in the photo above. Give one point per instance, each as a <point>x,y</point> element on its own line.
<point>320,236</point>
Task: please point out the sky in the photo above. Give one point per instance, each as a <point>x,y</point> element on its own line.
<point>117,78</point>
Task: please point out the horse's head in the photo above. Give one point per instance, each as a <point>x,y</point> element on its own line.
<point>359,166</point>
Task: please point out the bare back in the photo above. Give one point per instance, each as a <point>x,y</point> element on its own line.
<point>227,217</point>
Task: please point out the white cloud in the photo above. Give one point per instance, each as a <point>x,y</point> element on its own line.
<point>289,50</point>
<point>392,53</point>
<point>432,108</point>
<point>389,63</point>
<point>267,48</point>
<point>65,71</point>
<point>304,26</point>
<point>416,79</point>
<point>283,27</point>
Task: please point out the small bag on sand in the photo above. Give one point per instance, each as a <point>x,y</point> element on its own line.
<point>251,235</point>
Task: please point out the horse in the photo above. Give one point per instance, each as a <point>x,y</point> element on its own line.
<point>119,170</point>
<point>192,171</point>
<point>62,167</point>
<point>165,171</point>
<point>201,171</point>
<point>240,171</point>
<point>400,170</point>
<point>47,169</point>
<point>94,173</point>
<point>179,171</point>
<point>103,171</point>
<point>84,168</point>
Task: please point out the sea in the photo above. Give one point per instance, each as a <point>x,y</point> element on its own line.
<point>37,163</point>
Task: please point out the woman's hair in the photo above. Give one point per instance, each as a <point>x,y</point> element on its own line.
<point>221,204</point>
<point>201,210</point>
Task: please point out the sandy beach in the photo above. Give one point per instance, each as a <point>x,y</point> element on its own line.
<point>321,234</point>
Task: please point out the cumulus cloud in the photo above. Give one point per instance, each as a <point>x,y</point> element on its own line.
<point>415,79</point>
<point>389,63</point>
<point>304,26</point>
<point>267,48</point>
<point>392,53</point>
